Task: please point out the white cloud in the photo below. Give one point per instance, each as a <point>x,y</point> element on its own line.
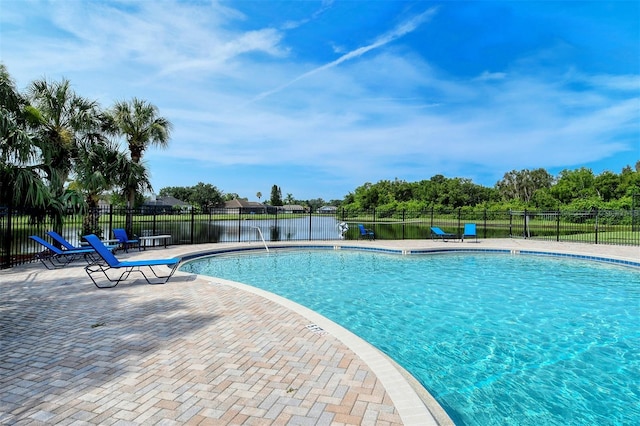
<point>290,24</point>
<point>399,31</point>
<point>486,75</point>
<point>615,82</point>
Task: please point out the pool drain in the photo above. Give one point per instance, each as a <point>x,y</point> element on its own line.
<point>316,329</point>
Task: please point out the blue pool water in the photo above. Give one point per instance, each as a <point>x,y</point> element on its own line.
<point>496,339</point>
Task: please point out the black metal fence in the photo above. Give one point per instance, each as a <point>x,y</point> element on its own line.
<point>596,227</point>
<point>235,225</point>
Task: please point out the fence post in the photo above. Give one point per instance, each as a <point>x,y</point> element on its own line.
<point>128,224</point>
<point>485,223</point>
<point>155,216</point>
<point>597,214</point>
<point>193,222</point>
<point>310,219</point>
<point>634,206</point>
<point>239,223</point>
<point>558,226</point>
<point>459,216</point>
<point>109,233</point>
<point>5,262</point>
<point>510,223</point>
<point>276,230</point>
<point>209,225</point>
<point>404,211</point>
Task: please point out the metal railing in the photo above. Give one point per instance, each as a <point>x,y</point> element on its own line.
<point>237,225</point>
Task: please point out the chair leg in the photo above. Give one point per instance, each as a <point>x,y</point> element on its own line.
<point>163,278</point>
<point>96,269</point>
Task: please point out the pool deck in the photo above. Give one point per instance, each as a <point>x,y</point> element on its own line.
<point>201,350</point>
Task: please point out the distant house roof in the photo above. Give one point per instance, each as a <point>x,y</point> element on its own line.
<point>166,202</point>
<point>327,209</point>
<point>292,208</point>
<point>236,203</point>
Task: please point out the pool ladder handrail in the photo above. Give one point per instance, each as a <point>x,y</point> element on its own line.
<point>261,237</point>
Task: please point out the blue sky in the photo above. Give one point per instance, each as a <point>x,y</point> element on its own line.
<point>319,97</point>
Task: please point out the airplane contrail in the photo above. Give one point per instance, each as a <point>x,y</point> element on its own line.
<point>398,32</point>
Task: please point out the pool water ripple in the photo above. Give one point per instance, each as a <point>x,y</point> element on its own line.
<point>496,339</point>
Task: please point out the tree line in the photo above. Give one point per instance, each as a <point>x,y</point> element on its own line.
<point>60,150</point>
<point>578,189</point>
<point>206,195</point>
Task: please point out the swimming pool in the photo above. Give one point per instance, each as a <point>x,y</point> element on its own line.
<point>495,338</point>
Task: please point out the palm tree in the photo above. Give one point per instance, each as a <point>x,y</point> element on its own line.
<point>289,199</point>
<point>61,119</point>
<point>100,167</point>
<point>259,195</point>
<point>133,176</point>
<point>138,121</point>
<point>20,181</point>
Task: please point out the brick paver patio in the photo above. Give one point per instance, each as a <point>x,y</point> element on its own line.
<point>196,350</point>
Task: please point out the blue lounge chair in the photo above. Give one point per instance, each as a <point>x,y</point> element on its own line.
<point>366,233</point>
<point>109,261</point>
<point>67,245</point>
<point>54,257</point>
<point>439,233</point>
<point>469,231</point>
<point>121,235</point>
